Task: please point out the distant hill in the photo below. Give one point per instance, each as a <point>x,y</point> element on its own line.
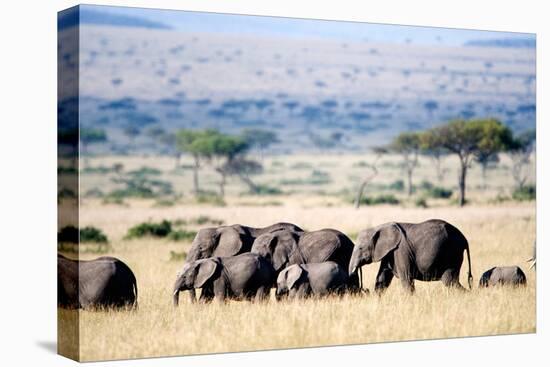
<point>504,42</point>
<point>70,18</point>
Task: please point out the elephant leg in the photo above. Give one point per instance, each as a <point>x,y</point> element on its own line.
<point>206,295</point>
<point>192,296</point>
<point>383,278</point>
<point>408,284</point>
<point>262,294</point>
<point>450,279</point>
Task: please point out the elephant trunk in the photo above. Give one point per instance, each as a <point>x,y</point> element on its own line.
<point>177,289</point>
<point>176,297</point>
<point>353,263</point>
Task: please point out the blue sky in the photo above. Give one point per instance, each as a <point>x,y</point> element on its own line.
<point>304,28</point>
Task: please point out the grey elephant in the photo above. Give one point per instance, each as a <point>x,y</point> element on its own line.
<point>503,275</point>
<point>224,241</point>
<point>284,248</point>
<point>103,282</point>
<point>245,276</point>
<point>428,251</point>
<point>315,279</point>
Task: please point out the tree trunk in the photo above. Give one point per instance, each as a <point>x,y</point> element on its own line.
<point>484,175</point>
<point>409,181</point>
<point>360,194</point>
<point>222,184</point>
<point>251,185</point>
<point>462,182</point>
<point>438,169</point>
<point>196,175</point>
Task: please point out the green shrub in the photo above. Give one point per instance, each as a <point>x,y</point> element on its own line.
<point>114,200</point>
<point>437,192</point>
<point>426,185</point>
<point>267,190</point>
<point>526,193</point>
<point>301,165</point>
<point>182,235</point>
<point>146,229</point>
<point>380,199</point>
<point>207,198</point>
<point>92,234</point>
<point>144,171</point>
<point>421,203</point>
<point>68,234</point>
<point>397,185</point>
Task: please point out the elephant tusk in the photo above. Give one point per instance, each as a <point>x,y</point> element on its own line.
<point>175,292</point>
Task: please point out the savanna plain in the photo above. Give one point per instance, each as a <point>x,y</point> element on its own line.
<point>500,232</point>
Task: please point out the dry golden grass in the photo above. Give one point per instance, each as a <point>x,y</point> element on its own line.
<point>499,234</point>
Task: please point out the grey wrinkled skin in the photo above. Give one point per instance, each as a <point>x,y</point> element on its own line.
<point>503,275</point>
<point>103,282</point>
<point>245,276</point>
<point>307,280</point>
<point>428,251</point>
<point>225,241</point>
<point>284,248</point>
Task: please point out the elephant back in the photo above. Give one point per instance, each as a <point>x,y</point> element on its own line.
<point>326,245</point>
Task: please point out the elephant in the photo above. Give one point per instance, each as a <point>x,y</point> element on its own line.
<point>428,251</point>
<point>315,279</point>
<point>503,275</point>
<point>245,276</point>
<point>224,241</point>
<point>533,259</point>
<point>103,282</point>
<point>284,248</point>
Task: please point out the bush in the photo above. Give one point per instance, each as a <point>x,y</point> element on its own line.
<point>380,199</point>
<point>397,185</point>
<point>182,235</point>
<point>144,171</point>
<point>208,198</point>
<point>94,193</point>
<point>426,185</point>
<point>437,192</point>
<point>205,219</point>
<point>68,234</point>
<point>526,193</point>
<point>421,203</point>
<point>267,190</point>
<point>92,234</point>
<point>146,229</point>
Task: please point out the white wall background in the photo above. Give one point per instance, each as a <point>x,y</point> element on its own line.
<point>28,181</point>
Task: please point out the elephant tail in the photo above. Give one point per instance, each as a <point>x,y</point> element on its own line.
<point>470,277</point>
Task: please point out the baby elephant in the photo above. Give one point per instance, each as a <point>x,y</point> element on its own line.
<point>503,275</point>
<point>243,276</point>
<point>314,279</point>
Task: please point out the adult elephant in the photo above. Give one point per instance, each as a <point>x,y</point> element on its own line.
<point>427,251</point>
<point>103,282</point>
<point>225,241</point>
<point>284,248</point>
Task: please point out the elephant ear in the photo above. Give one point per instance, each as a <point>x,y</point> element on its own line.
<point>293,275</point>
<point>283,244</point>
<point>384,240</point>
<point>229,242</point>
<point>205,272</point>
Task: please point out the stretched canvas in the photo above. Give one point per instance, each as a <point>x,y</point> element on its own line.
<point>239,183</point>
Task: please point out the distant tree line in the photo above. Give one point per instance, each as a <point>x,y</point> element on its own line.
<point>476,140</point>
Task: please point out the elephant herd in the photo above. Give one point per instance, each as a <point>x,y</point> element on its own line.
<point>245,263</point>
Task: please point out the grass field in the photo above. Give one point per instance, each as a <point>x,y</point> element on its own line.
<point>499,234</point>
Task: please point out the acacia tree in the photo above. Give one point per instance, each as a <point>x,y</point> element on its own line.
<point>372,172</point>
<point>436,153</point>
<point>467,140</point>
<point>520,152</point>
<point>91,136</point>
<point>407,145</point>
<point>194,142</point>
<point>260,139</point>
